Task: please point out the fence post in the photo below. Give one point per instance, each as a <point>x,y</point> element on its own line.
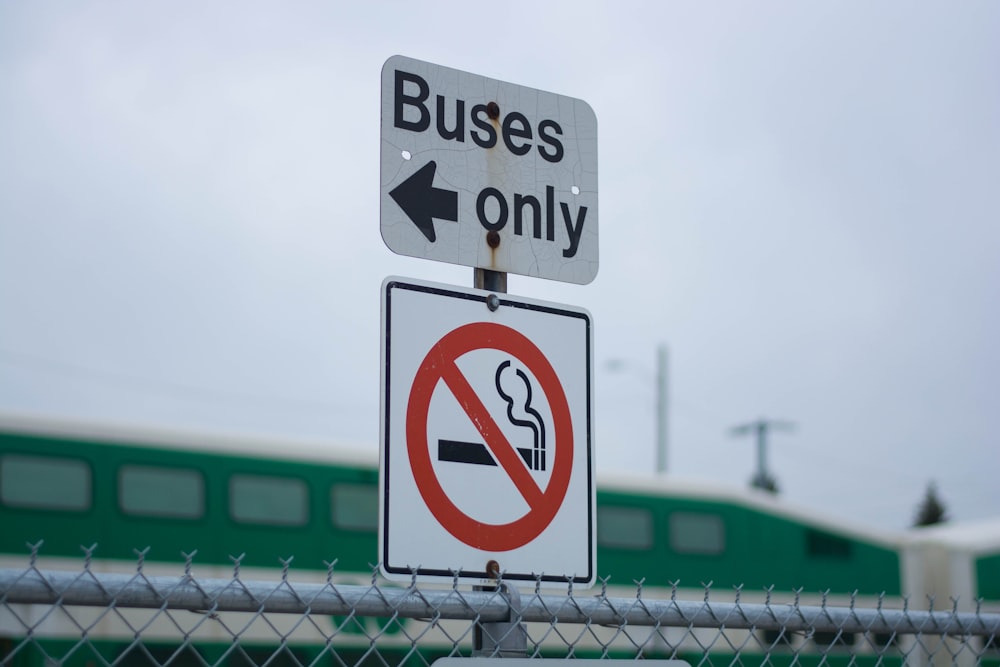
<point>502,639</point>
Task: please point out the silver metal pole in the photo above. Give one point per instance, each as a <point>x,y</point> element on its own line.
<point>661,409</point>
<point>494,281</point>
<point>762,475</point>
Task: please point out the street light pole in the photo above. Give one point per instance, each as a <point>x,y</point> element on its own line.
<point>661,409</point>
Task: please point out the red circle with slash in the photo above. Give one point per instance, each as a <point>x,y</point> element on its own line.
<point>440,366</point>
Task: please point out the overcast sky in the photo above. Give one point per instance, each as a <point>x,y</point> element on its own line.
<point>802,200</point>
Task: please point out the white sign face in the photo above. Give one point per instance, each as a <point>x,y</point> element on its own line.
<point>486,437</point>
<point>488,174</point>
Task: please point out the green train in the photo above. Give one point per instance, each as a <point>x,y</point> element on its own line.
<point>261,502</point>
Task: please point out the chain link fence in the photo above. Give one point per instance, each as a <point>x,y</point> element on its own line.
<point>88,614</point>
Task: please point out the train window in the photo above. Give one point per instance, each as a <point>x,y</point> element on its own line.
<point>45,483</point>
<point>140,655</point>
<point>825,545</point>
<point>829,638</point>
<point>164,492</point>
<point>884,640</point>
<point>697,533</point>
<point>775,638</point>
<point>624,527</point>
<point>251,657</point>
<point>269,500</point>
<point>354,506</point>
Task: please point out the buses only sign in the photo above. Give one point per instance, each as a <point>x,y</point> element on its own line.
<point>487,174</point>
<point>486,441</point>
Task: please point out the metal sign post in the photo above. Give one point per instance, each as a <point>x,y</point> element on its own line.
<point>486,471</point>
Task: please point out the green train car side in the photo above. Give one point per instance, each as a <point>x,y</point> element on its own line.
<point>693,537</point>
<point>267,501</point>
<point>121,496</point>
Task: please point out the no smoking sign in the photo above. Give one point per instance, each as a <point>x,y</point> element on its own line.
<point>486,436</point>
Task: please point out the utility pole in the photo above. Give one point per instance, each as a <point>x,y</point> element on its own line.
<point>762,479</point>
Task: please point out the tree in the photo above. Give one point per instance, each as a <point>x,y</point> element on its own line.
<point>931,510</point>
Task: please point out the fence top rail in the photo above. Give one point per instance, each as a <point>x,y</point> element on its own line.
<point>138,590</point>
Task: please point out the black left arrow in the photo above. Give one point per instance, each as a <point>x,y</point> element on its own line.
<point>422,202</point>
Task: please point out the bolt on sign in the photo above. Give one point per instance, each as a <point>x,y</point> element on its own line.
<point>486,437</point>
<point>488,174</point>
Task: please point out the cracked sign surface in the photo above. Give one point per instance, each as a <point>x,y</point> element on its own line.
<point>488,174</point>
